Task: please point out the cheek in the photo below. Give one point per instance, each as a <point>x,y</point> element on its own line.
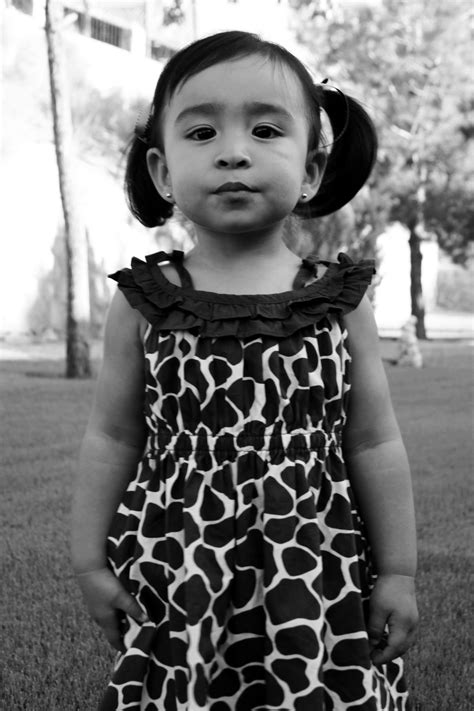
<point>187,198</point>
<point>183,170</point>
<point>185,187</point>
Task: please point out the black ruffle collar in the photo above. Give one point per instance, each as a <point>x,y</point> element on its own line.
<point>169,307</point>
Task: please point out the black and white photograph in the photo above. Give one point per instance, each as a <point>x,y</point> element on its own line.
<point>236,355</point>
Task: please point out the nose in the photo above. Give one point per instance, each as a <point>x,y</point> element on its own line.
<point>233,155</point>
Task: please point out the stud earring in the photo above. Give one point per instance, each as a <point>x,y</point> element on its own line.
<point>304,196</point>
<point>168,196</point>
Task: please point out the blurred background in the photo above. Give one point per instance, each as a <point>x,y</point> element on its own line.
<point>408,61</point>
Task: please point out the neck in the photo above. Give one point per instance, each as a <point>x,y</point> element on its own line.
<point>219,249</point>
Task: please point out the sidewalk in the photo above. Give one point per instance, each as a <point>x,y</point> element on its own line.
<point>444,325</point>
<point>31,349</point>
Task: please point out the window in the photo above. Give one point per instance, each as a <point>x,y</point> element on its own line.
<point>101,30</point>
<point>112,34</point>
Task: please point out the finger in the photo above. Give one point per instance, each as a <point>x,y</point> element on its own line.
<point>109,623</point>
<point>128,604</point>
<point>376,626</point>
<point>398,642</point>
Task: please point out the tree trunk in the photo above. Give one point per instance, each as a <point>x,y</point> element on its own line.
<point>416,289</point>
<point>77,277</point>
<point>417,232</point>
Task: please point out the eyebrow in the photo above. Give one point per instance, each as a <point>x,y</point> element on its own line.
<point>253,108</point>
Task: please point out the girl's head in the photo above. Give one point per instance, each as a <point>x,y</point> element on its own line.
<point>233,107</point>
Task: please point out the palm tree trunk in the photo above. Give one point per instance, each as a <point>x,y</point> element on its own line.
<point>416,288</point>
<point>417,232</point>
<point>78,302</point>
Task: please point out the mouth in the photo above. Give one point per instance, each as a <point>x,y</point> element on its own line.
<point>234,188</point>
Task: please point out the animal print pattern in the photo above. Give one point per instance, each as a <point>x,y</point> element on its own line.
<point>240,535</point>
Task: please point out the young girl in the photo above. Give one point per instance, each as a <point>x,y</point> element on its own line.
<point>243,525</point>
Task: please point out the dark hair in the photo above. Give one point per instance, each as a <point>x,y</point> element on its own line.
<point>352,153</point>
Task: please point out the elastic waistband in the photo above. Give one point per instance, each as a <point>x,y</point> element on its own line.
<point>228,442</point>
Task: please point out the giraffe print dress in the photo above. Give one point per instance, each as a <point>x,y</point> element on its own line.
<point>239,534</point>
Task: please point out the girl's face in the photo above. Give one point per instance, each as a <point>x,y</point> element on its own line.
<point>239,122</point>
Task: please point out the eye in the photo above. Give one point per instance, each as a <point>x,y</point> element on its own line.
<point>266,131</point>
<point>202,133</point>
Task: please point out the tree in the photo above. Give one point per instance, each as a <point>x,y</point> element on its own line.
<point>394,56</point>
<point>173,12</point>
<point>78,308</point>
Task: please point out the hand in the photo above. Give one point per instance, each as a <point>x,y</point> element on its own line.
<point>105,598</point>
<point>392,604</point>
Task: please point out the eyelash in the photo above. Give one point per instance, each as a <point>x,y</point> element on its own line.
<point>276,132</point>
<point>193,135</point>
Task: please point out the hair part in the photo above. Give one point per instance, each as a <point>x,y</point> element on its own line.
<point>351,157</point>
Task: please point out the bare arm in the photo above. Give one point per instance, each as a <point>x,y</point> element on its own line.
<point>114,438</point>
<point>380,476</point>
<point>111,448</point>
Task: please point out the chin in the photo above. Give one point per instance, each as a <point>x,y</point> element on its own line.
<point>239,223</point>
<point>243,229</point>
<point>243,226</point>
<point>233,227</point>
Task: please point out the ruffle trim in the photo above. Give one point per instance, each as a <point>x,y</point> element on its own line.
<point>169,307</point>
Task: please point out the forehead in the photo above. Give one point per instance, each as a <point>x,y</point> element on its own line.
<point>241,81</point>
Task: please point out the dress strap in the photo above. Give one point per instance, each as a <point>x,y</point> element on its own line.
<point>176,259</point>
<point>308,269</point>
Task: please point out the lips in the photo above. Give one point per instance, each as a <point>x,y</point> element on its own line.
<point>234,187</point>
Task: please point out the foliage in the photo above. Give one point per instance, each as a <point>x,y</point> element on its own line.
<point>450,213</point>
<point>173,13</point>
<point>347,230</point>
<point>393,54</point>
<point>103,123</point>
<point>454,288</point>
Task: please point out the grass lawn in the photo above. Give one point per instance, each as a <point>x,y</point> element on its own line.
<point>53,659</point>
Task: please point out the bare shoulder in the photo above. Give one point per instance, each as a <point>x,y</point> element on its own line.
<point>124,324</point>
<point>118,404</point>
<point>367,370</point>
<point>362,329</point>
<point>371,418</point>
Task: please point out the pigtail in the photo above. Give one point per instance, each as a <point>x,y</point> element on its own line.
<point>144,201</point>
<point>352,153</point>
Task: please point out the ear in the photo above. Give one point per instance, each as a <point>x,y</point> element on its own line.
<point>159,173</point>
<point>314,171</point>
